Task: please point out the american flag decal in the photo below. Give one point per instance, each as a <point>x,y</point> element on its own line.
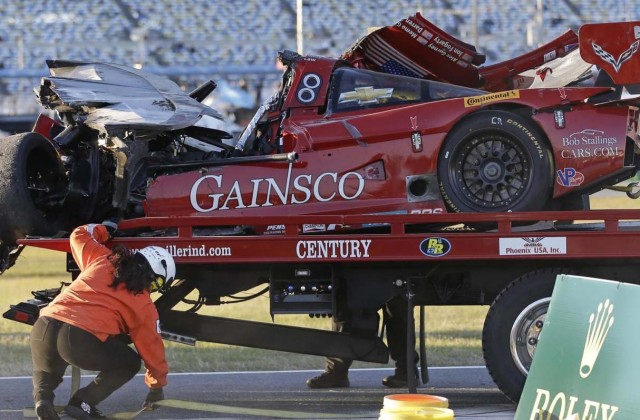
<point>391,60</point>
<point>393,67</point>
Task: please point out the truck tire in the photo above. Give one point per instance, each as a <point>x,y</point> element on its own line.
<point>495,161</point>
<point>32,185</point>
<point>512,326</point>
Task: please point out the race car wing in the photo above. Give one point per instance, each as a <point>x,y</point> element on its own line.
<point>614,48</point>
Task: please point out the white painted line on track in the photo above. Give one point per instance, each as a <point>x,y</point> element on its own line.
<point>257,372</point>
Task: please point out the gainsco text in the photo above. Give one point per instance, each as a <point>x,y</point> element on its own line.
<point>265,192</point>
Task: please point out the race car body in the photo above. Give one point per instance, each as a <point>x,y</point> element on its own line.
<point>353,160</point>
<point>393,126</point>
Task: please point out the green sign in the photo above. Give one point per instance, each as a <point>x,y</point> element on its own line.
<point>587,362</point>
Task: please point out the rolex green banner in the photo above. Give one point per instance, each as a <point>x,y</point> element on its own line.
<point>586,365</point>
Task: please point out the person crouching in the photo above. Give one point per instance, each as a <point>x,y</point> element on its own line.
<point>84,325</point>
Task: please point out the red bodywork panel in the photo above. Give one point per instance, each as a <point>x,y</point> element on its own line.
<point>412,42</point>
<point>418,47</point>
<point>46,126</point>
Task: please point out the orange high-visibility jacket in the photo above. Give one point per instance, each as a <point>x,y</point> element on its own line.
<point>92,304</point>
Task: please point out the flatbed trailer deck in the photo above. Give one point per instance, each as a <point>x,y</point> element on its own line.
<point>507,260</point>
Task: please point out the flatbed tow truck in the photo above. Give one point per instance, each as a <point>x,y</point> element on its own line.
<point>346,137</point>
<point>507,260</point>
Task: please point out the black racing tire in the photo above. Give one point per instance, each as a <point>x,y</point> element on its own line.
<point>31,178</point>
<point>495,161</point>
<point>512,327</point>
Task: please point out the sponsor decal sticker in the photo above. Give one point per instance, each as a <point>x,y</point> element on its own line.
<point>492,97</point>
<point>186,251</point>
<point>590,143</point>
<point>365,95</point>
<point>416,141</point>
<point>199,251</point>
<point>620,60</point>
<point>313,228</point>
<point>558,116</point>
<point>533,246</point>
<point>562,405</point>
<point>589,137</point>
<point>551,55</point>
<point>569,177</point>
<point>265,192</point>
<point>542,73</point>
<point>310,228</point>
<point>333,249</point>
<point>435,247</point>
<point>437,210</point>
<point>275,229</point>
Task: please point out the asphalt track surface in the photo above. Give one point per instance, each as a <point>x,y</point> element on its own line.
<point>271,395</point>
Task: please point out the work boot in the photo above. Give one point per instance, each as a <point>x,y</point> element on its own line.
<point>398,379</point>
<point>46,411</point>
<point>329,380</point>
<point>81,410</point>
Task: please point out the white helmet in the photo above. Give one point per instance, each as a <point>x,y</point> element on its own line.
<point>162,264</point>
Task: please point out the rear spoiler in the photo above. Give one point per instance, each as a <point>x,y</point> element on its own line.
<point>613,47</point>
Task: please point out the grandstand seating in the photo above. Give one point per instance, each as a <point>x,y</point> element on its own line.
<point>190,33</point>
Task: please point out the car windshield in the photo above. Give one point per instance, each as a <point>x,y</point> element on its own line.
<point>352,89</point>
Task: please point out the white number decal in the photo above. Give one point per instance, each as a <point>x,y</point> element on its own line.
<point>311,82</point>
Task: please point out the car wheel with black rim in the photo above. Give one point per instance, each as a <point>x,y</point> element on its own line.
<point>495,161</point>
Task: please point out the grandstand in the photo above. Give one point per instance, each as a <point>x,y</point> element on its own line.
<point>205,34</point>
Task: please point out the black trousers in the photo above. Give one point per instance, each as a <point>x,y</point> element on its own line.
<point>394,317</point>
<point>56,345</point>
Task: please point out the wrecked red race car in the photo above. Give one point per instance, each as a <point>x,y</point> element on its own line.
<point>407,121</point>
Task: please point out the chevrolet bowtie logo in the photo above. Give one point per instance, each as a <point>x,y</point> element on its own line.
<point>365,95</point>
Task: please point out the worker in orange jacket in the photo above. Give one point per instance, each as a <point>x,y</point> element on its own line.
<point>84,324</point>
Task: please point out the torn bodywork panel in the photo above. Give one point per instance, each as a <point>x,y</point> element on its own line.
<point>113,97</point>
<point>416,47</point>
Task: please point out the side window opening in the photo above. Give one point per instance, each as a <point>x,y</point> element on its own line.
<point>355,89</point>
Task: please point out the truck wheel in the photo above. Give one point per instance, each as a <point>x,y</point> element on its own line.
<point>512,326</point>
<point>32,187</point>
<point>495,161</point>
